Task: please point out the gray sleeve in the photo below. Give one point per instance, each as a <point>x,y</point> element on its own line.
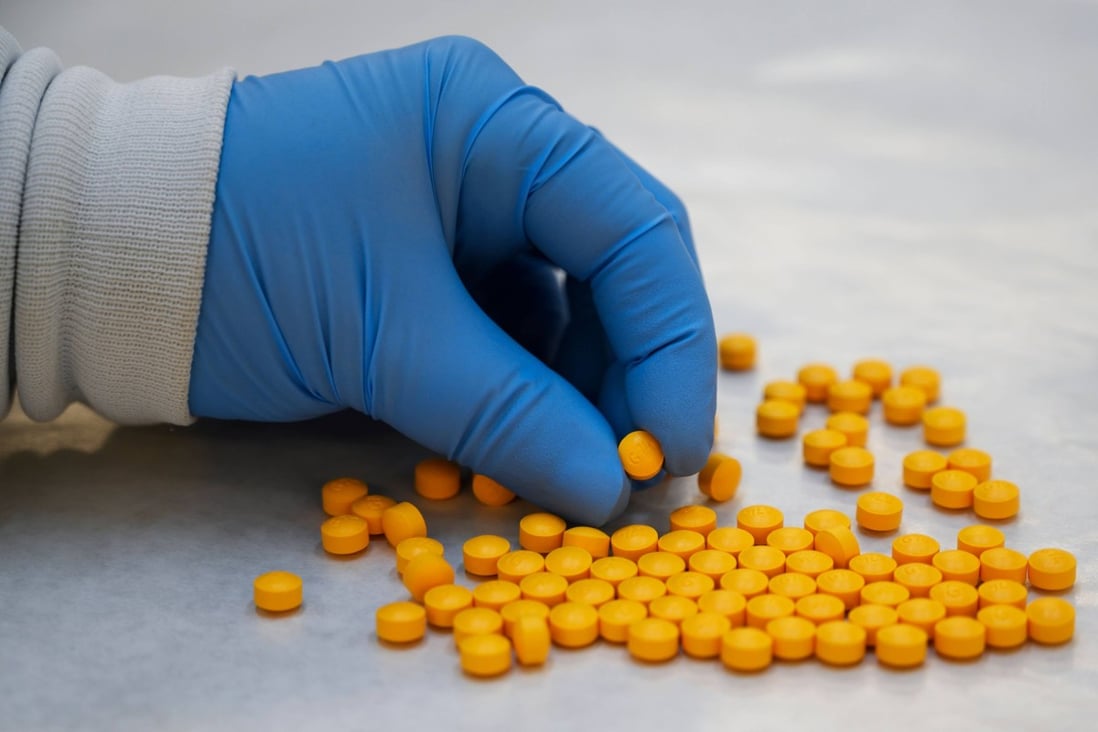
<point>106,195</point>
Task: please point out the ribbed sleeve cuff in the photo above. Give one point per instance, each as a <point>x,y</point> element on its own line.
<point>115,222</point>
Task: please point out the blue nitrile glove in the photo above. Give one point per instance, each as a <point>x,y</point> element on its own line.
<point>379,219</point>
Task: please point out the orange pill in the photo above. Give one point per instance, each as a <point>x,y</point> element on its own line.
<point>794,637</point>
<point>746,649</point>
<point>840,643</point>
<point>843,584</point>
<point>790,539</point>
<point>1006,625</point>
<point>437,479</point>
<point>689,584</point>
<point>996,499</point>
<point>825,518</point>
<point>917,578</point>
<point>809,562</point>
<point>874,372</point>
<point>978,538</point>
<point>544,587</point>
<point>570,562</point>
<point>759,520</point>
<point>911,548</point>
<point>820,608</point>
<point>851,467</point>
<point>1051,620</point>
<point>495,594</point>
<point>641,455</point>
<point>818,445</point>
<point>922,612</point>
<point>944,426</point>
<point>337,496</point>
<point>729,539</point>
<point>616,617</point>
<point>737,352</point>
<point>959,598</point>
<point>952,488</point>
<point>764,608</point>
<point>1003,563</point>
<point>854,426</point>
<point>595,541</point>
<point>660,565</point>
<point>792,585</point>
<point>681,542</point>
<point>957,565</point>
<point>1003,592</point>
<point>642,589</point>
<point>574,624</point>
<point>725,480</point>
<point>701,519</point>
<point>673,608</point>
<point>344,534</point>
<point>426,571</point>
<point>370,509</point>
<point>590,591</point>
<point>541,532</point>
<point>816,378</point>
<point>924,378</point>
<point>747,582</point>
<point>277,591</point>
<point>614,570</point>
<point>512,612</point>
<point>401,622</point>
<point>401,521</point>
<point>873,567</point>
<point>705,475</point>
<point>481,554</point>
<point>412,547</point>
<point>973,461</point>
<point>765,559</point>
<point>702,634</point>
<point>889,594</point>
<point>879,511</point>
<point>728,603</point>
<point>776,419</point>
<point>959,638</point>
<point>873,618</point>
<point>444,602</point>
<point>903,405</point>
<point>786,391</point>
<point>633,541</point>
<point>489,492</point>
<point>838,543</point>
<point>921,466</point>
<point>513,566</point>
<point>712,563</point>
<point>1052,569</point>
<point>849,396</point>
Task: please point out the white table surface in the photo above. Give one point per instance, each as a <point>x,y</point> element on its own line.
<point>916,181</point>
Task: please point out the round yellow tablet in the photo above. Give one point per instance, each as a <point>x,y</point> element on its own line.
<point>593,592</point>
<point>978,538</point>
<point>764,608</point>
<point>570,562</point>
<point>952,488</point>
<point>700,519</point>
<point>790,539</point>
<point>512,612</point>
<point>872,619</point>
<point>944,426</point>
<point>437,479</point>
<point>595,542</point>
<point>766,559</point>
<point>481,554</point>
<point>413,546</point>
<point>729,539</point>
<point>485,655</point>
<point>642,589</point>
<point>776,419</point>
<point>1051,620</point>
<point>531,639</point>
<point>917,578</point>
<point>494,594</point>
<point>574,624</point>
<point>1003,592</point>
<point>660,565</point>
<point>959,638</point>
<point>653,640</point>
<point>854,426</point>
<point>996,499</point>
<point>874,372</point>
<point>914,549</point>
<point>1052,569</point>
<point>541,532</point>
<point>748,582</point>
<point>544,587</point>
<point>903,405</point>
<point>614,570</point>
<point>825,518</point>
<point>746,649</point>
<point>1003,563</point>
<point>844,584</point>
<point>924,378</point>
<point>728,603</point>
<point>705,475</point>
<point>874,567</point>
<point>401,622</point>
<point>702,634</point>
<point>922,612</point>
<point>840,643</point>
<point>851,467</point>
<point>277,591</point>
<point>849,396</point>
<point>921,466</point>
<point>809,562</point>
<point>957,565</point>
<point>489,492</point>
<point>792,585</point>
<point>725,480</point>
<point>818,445</point>
<point>959,598</point>
<point>424,572</point>
<point>689,584</point>
<point>816,378</point>
<point>737,351</point>
<point>1005,624</point>
<point>681,542</point>
<point>820,608</point>
<point>344,534</point>
<point>401,521</point>
<point>901,646</point>
<point>337,496</point>
<point>890,594</point>
<point>443,602</point>
<point>972,461</point>
<point>370,509</point>
<point>759,520</point>
<point>616,617</point>
<point>513,566</point>
<point>633,541</point>
<point>673,608</point>
<point>794,638</point>
<point>641,455</point>
<point>838,543</point>
<point>712,563</point>
<point>476,621</point>
<point>879,511</point>
<point>785,391</point>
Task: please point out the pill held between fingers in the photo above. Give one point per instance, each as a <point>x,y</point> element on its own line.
<point>437,479</point>
<point>481,554</point>
<point>424,572</point>
<point>344,534</point>
<point>401,521</point>
<point>401,622</point>
<point>1052,569</point>
<point>1051,620</point>
<point>277,591</point>
<point>879,511</point>
<point>851,467</point>
<point>595,541</point>
<point>973,461</point>
<point>653,640</point>
<point>616,617</point>
<point>489,492</point>
<point>485,655</point>
<point>776,419</point>
<point>641,455</point>
<point>921,466</point>
<point>747,649</point>
<point>541,532</point>
<point>903,405</point>
<point>737,351</point>
<point>924,378</point>
<point>944,426</point>
<point>849,396</point>
<point>337,496</point>
<point>531,639</point>
<point>996,499</point>
<point>816,378</point>
<point>370,509</point>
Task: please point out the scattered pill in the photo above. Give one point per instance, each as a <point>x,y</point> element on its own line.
<point>681,542</point>
<point>277,592</point>
<point>337,496</point>
<point>818,445</point>
<point>513,566</point>
<point>903,405</point>
<point>790,539</point>
<point>978,538</point>
<point>924,378</point>
<point>437,479</point>
<point>844,584</point>
<point>874,372</point>
<point>879,511</point>
<point>1005,624</point>
<point>476,621</point>
<point>370,509</point>
<point>1003,563</point>
<point>728,603</point>
<point>854,426</point>
<point>344,534</point>
<point>485,655</point>
<point>1051,569</point>
<point>851,466</point>
<point>922,612</point>
<point>874,618</point>
<point>786,391</point>
<point>633,541</point>
<point>544,587</point>
<point>839,543</point>
<point>759,520</point>
<point>914,548</point>
<point>776,419</point>
<point>973,461</point>
<point>747,582</point>
<point>957,565</point>
<point>512,612</point>
<point>825,518</point>
<point>617,616</point>
<point>725,480</point>
<point>849,396</point>
<point>426,571</point>
<point>660,565</point>
<point>593,592</point>
<point>840,643</point>
<point>952,488</point>
<point>410,548</point>
<point>702,634</point>
<point>944,426</point>
<point>901,646</point>
<point>959,638</point>
<point>653,640</point>
<point>737,352</point>
<point>816,378</point>
<point>573,624</point>
<point>541,532</point>
<point>701,519</point>
<point>614,570</point>
<point>642,589</point>
<point>489,492</point>
<point>495,594</point>
<point>444,602</point>
<point>995,499</point>
<point>401,521</point>
<point>918,578</point>
<point>712,563</point>
<point>1002,592</point>
<point>921,466</point>
<point>873,567</point>
<point>401,622</point>
<point>1051,620</point>
<point>570,562</point>
<point>531,639</point>
<point>959,598</point>
<point>809,562</point>
<point>641,455</point>
<point>481,554</point>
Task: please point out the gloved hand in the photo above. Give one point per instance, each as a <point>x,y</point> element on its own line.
<point>378,219</point>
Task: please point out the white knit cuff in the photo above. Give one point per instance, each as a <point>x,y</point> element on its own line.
<point>115,222</point>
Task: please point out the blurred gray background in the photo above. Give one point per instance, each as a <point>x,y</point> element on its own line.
<point>916,181</point>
